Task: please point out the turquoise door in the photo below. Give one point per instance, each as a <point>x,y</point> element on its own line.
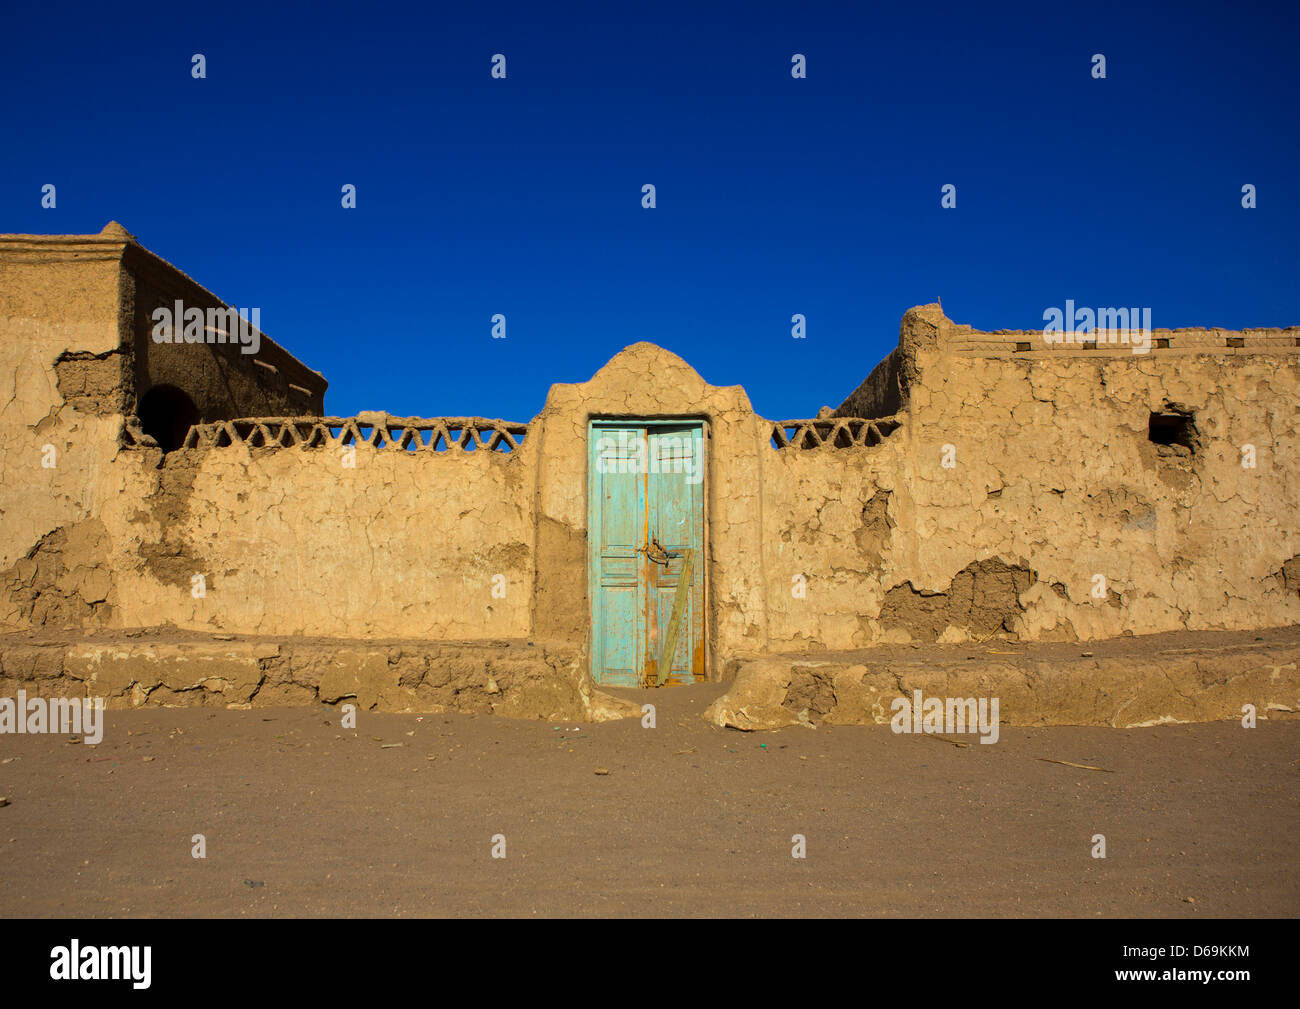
<point>645,529</point>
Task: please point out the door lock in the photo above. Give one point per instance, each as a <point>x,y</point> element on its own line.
<point>656,553</point>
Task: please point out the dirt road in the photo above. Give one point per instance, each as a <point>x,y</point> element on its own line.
<point>301,817</point>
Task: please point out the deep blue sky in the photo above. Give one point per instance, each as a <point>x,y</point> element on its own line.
<point>775,196</point>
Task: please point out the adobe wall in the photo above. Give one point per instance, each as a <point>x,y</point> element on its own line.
<point>646,381</point>
<point>75,359</point>
<point>880,394</point>
<point>825,535</point>
<point>410,544</point>
<point>61,400</point>
<point>1054,481</point>
<point>397,544</point>
<point>808,547</point>
<point>222,380</point>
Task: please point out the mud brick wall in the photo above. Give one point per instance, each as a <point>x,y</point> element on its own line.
<point>75,359</point>
<point>294,541</point>
<point>1054,481</point>
<point>644,380</point>
<point>220,378</point>
<point>63,359</point>
<point>1017,489</point>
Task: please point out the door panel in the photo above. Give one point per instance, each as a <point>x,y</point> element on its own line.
<point>677,521</point>
<point>646,481</point>
<point>618,596</point>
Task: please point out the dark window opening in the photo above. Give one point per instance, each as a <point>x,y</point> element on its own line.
<point>166,415</point>
<point>1174,432</point>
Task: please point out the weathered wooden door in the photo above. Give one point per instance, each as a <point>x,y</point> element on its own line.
<point>645,528</point>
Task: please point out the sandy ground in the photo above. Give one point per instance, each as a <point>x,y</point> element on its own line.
<point>302,818</point>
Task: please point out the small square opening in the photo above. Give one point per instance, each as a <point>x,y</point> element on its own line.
<point>1174,432</point>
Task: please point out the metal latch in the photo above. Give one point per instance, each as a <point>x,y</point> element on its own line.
<point>656,553</point>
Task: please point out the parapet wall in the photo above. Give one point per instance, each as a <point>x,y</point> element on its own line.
<point>1161,343</point>
<point>222,378</point>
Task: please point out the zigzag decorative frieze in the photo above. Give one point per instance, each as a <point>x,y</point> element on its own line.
<point>466,434</point>
<point>408,434</point>
<point>832,432</point>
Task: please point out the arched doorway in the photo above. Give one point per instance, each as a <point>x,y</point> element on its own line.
<point>166,415</point>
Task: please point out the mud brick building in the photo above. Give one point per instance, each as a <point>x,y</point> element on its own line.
<point>182,524</point>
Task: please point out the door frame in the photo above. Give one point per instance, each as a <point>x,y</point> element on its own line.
<point>594,425</point>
